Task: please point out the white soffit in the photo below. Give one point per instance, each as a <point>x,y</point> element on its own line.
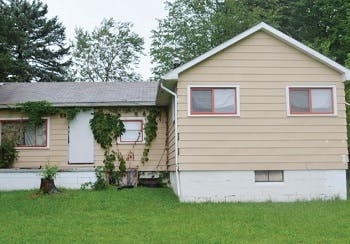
<point>174,74</point>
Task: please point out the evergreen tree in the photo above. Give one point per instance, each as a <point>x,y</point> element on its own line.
<point>32,47</point>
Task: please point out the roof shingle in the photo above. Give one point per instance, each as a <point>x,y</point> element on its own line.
<point>80,93</point>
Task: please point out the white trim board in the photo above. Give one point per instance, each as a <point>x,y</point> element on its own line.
<point>174,74</point>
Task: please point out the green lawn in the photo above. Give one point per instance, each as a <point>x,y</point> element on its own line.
<point>155,216</point>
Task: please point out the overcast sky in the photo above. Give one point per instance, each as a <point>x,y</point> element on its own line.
<point>89,13</point>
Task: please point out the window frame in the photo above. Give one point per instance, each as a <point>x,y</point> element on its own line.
<point>20,147</point>
<point>190,113</point>
<point>310,113</point>
<point>133,119</point>
<point>268,176</point>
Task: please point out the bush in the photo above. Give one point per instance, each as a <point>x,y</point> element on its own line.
<point>49,172</point>
<point>8,154</point>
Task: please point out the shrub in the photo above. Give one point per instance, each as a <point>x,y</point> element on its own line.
<point>8,154</point>
<point>49,172</point>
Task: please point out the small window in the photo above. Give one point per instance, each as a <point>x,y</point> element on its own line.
<point>23,134</point>
<point>133,131</point>
<point>311,100</point>
<point>205,100</point>
<point>269,176</point>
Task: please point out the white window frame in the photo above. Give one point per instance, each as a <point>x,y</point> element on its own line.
<point>143,119</point>
<point>238,102</point>
<point>30,148</point>
<point>334,93</point>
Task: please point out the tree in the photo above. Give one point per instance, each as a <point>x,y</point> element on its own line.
<point>110,52</point>
<point>193,27</point>
<point>32,47</point>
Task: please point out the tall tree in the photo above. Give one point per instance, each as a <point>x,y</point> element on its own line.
<point>193,27</point>
<point>32,47</point>
<point>110,52</point>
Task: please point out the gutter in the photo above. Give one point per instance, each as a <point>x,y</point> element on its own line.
<point>176,140</point>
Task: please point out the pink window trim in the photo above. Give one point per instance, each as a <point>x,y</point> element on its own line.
<point>129,120</point>
<point>212,99</point>
<point>310,99</point>
<point>27,146</point>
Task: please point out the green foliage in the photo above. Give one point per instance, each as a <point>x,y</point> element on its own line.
<point>193,27</point>
<point>32,46</point>
<point>151,128</point>
<point>71,112</point>
<point>8,154</point>
<point>106,127</point>
<point>110,52</point>
<point>49,172</point>
<point>36,110</point>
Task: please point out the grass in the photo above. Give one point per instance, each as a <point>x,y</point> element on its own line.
<point>145,215</point>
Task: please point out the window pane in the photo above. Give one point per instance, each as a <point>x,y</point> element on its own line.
<point>131,136</point>
<point>276,175</point>
<point>201,101</point>
<point>261,176</point>
<point>224,100</point>
<point>321,100</point>
<point>13,131</point>
<point>299,100</point>
<point>29,137</point>
<point>41,135</point>
<point>132,125</point>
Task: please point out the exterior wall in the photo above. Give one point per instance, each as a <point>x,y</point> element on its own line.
<point>263,136</point>
<point>234,186</point>
<point>57,152</point>
<point>30,179</point>
<point>171,137</point>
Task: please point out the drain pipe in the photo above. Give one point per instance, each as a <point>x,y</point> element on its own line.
<point>176,140</point>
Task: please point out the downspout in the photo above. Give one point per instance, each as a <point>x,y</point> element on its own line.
<point>176,140</point>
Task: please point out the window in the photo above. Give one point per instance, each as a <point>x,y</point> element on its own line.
<point>24,135</point>
<point>269,176</point>
<point>133,131</point>
<point>213,100</point>
<point>311,100</point>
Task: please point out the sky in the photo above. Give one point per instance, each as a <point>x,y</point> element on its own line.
<point>89,13</point>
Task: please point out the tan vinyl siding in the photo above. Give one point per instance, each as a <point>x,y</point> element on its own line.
<point>171,138</point>
<point>57,153</point>
<point>263,137</point>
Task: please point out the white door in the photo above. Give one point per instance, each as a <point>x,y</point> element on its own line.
<point>81,139</point>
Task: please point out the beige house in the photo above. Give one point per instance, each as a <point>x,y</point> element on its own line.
<point>260,117</point>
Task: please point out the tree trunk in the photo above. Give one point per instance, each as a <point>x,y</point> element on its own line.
<point>47,186</point>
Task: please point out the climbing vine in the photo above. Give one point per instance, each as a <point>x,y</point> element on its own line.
<point>151,128</point>
<point>38,109</point>
<point>106,127</point>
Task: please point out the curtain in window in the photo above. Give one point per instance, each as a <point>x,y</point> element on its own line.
<point>224,100</point>
<point>29,136</point>
<point>321,100</point>
<point>201,101</point>
<point>41,135</point>
<point>299,100</point>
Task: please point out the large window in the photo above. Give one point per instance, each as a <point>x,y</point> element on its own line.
<point>133,131</point>
<point>311,100</point>
<point>213,100</point>
<point>24,135</point>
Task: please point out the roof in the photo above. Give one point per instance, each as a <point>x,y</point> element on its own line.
<point>82,94</point>
<point>174,74</point>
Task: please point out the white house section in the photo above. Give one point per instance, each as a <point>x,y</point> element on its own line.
<point>81,139</point>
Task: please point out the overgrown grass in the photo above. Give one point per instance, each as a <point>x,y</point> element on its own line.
<point>155,216</point>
